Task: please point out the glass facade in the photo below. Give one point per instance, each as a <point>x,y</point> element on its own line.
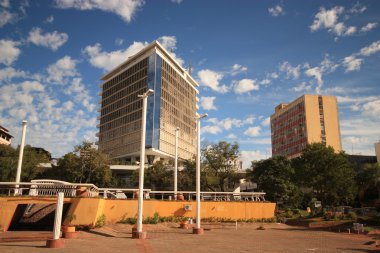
<point>154,102</point>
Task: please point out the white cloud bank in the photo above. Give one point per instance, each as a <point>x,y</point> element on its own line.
<point>207,103</point>
<point>9,52</point>
<point>212,80</point>
<point>52,40</point>
<point>126,9</point>
<point>276,11</point>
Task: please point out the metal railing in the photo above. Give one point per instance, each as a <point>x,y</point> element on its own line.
<point>52,187</point>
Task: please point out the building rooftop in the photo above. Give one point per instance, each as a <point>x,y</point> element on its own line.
<point>154,45</point>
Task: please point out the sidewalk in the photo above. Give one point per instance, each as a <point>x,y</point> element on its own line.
<point>166,238</point>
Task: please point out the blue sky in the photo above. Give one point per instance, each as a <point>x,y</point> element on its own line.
<point>248,56</point>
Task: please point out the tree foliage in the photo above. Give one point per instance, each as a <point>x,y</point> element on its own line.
<point>30,169</point>
<point>368,180</point>
<point>275,176</point>
<point>85,165</point>
<point>329,175</point>
<point>219,161</point>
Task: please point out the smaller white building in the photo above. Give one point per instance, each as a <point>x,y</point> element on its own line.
<point>5,137</point>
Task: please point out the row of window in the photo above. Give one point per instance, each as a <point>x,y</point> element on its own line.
<point>122,102</point>
<point>119,131</point>
<point>129,108</point>
<point>142,64</point>
<point>127,90</point>
<point>121,121</point>
<point>125,83</point>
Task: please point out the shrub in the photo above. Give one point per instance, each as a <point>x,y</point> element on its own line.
<point>352,216</point>
<point>101,221</point>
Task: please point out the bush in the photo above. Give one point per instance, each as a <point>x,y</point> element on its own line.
<point>152,220</point>
<point>352,216</point>
<point>101,221</point>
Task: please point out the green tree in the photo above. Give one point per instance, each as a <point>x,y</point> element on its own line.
<point>275,176</point>
<point>159,177</point>
<point>85,165</point>
<point>219,160</point>
<point>8,163</point>
<point>328,175</point>
<point>31,163</point>
<point>368,180</point>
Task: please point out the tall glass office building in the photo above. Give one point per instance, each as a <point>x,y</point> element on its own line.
<point>172,105</point>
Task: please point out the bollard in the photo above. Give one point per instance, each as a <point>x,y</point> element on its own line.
<point>57,242</point>
<point>236,225</point>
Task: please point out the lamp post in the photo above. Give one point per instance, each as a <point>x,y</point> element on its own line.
<point>176,163</point>
<point>197,229</point>
<point>19,165</point>
<point>139,233</point>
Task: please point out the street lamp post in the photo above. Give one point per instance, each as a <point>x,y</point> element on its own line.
<point>139,234</point>
<point>19,165</point>
<point>197,229</point>
<point>176,164</point>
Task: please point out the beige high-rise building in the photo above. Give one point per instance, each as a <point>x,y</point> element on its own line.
<point>173,104</point>
<point>308,119</point>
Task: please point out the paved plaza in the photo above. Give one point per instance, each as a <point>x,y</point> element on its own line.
<point>166,238</point>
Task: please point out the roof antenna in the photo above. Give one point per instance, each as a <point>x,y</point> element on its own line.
<point>190,67</point>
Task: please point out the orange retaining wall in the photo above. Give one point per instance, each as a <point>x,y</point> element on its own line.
<point>88,210</point>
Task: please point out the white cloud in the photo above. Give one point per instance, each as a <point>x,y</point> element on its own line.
<point>9,73</point>
<point>55,122</point>
<point>211,129</point>
<point>368,27</point>
<point>126,9</point>
<point>228,123</point>
<point>5,3</point>
<point>49,20</point>
<point>232,136</point>
<point>9,52</point>
<point>29,86</point>
<point>253,131</point>
<point>176,1</point>
<point>356,99</point>
<point>119,41</point>
<point>211,79</point>
<point>372,108</point>
<point>266,122</point>
<point>291,72</point>
<point>276,11</point>
<point>265,81</point>
<point>316,73</point>
<point>371,49</point>
<point>274,75</point>
<point>326,18</point>
<point>237,69</point>
<point>247,156</point>
<point>351,63</point>
<point>52,40</point>
<point>6,17</point>
<point>109,60</point>
<point>245,85</point>
<point>207,103</point>
<point>357,8</point>
<point>302,87</point>
<point>64,67</point>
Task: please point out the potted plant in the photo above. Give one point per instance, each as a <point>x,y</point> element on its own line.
<point>68,230</point>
